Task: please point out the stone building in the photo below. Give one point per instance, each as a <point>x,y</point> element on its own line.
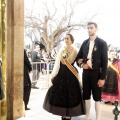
<point>12,51</point>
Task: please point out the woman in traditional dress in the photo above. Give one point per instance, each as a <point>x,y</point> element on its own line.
<point>64,97</point>
<point>111,88</point>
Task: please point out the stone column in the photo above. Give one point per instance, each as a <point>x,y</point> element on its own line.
<point>3,34</point>
<point>15,52</point>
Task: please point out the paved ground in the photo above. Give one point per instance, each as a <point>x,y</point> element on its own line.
<point>37,112</point>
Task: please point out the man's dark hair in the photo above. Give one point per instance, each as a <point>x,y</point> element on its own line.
<point>95,24</point>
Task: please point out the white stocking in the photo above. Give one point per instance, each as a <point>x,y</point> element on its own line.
<point>98,110</point>
<point>87,105</point>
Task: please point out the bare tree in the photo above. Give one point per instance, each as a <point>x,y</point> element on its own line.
<point>32,34</point>
<point>50,27</point>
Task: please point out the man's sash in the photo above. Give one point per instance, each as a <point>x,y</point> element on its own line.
<point>72,69</point>
<point>114,68</point>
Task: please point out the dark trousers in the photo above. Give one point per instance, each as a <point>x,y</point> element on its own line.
<point>90,79</point>
<point>35,77</point>
<point>26,95</point>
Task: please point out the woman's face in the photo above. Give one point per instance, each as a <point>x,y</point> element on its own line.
<point>68,40</point>
<point>112,55</point>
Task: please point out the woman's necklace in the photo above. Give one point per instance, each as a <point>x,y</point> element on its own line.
<point>68,50</point>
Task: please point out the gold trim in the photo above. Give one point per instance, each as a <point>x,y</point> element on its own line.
<point>72,69</point>
<point>3,21</point>
<point>115,69</point>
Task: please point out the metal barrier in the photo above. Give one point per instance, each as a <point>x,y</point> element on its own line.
<point>45,69</point>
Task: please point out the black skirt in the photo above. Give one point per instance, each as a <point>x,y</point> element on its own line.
<point>111,82</point>
<point>64,97</point>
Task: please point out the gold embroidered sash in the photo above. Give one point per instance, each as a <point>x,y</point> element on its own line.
<point>115,69</point>
<point>71,67</point>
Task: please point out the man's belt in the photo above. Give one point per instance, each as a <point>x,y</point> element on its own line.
<point>92,69</point>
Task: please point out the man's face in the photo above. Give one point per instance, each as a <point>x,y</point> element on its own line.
<point>91,30</point>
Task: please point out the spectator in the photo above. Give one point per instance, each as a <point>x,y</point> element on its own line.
<point>110,47</point>
<point>36,57</point>
<point>27,81</point>
<point>111,88</point>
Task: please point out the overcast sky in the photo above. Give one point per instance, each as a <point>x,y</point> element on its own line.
<point>108,19</point>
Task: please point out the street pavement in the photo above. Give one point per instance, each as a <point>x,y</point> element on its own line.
<point>38,113</point>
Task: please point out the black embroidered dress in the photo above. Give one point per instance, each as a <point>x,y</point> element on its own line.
<point>111,82</point>
<point>64,97</point>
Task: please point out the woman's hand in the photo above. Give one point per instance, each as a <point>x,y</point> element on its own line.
<point>80,61</point>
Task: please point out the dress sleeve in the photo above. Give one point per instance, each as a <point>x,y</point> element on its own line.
<point>57,65</point>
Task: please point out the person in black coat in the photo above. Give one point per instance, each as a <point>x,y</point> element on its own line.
<point>27,81</point>
<point>93,58</point>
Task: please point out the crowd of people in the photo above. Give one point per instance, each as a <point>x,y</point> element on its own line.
<point>100,78</point>
<point>34,62</point>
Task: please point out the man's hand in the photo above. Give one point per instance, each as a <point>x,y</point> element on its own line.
<point>85,66</point>
<point>101,83</point>
<point>80,61</point>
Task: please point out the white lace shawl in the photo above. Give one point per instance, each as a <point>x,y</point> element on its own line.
<point>59,58</point>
